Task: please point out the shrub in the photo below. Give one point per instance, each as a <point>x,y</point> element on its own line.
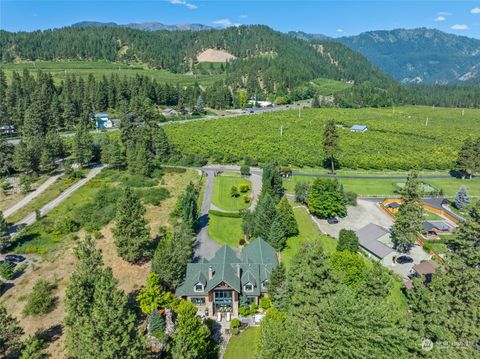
<point>348,241</point>
<point>244,187</point>
<point>21,268</point>
<point>246,198</point>
<point>225,214</point>
<point>235,323</point>
<point>234,331</point>
<point>241,242</point>
<point>97,235</point>
<point>427,247</point>
<point>301,192</point>
<point>65,225</point>
<point>153,196</point>
<point>25,184</point>
<point>265,302</point>
<point>41,300</point>
<point>234,192</point>
<point>244,312</point>
<point>351,198</point>
<point>4,185</point>
<point>136,181</point>
<point>245,170</point>
<point>7,270</point>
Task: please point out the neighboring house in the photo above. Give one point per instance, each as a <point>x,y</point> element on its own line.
<point>435,205</point>
<point>434,228</point>
<point>375,241</point>
<point>393,207</point>
<point>215,286</point>
<point>102,121</point>
<point>7,129</point>
<point>170,112</point>
<point>359,128</point>
<point>260,103</point>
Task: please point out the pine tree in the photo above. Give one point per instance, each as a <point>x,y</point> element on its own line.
<point>47,161</point>
<point>10,335</point>
<point>6,157</point>
<point>272,181</point>
<point>277,287</point>
<point>265,214</point>
<point>131,235</point>
<point>467,160</point>
<point>161,144</point>
<point>286,217</point>
<point>192,337</point>
<point>22,159</point>
<point>330,143</point>
<point>277,237</point>
<point>200,105</point>
<point>82,149</point>
<point>462,199</point>
<point>5,239</point>
<point>156,325</point>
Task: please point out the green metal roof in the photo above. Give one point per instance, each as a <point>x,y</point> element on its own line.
<point>258,260</point>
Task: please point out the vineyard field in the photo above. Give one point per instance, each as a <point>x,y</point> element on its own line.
<point>398,138</point>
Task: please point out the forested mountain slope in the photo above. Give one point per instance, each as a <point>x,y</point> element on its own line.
<point>420,55</point>
<point>268,61</point>
<point>147,26</point>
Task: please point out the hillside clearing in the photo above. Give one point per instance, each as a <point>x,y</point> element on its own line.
<point>215,55</point>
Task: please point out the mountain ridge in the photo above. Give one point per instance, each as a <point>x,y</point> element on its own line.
<point>147,26</point>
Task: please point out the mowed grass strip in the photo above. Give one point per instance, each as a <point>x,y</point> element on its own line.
<point>243,345</point>
<point>308,232</point>
<point>221,196</point>
<point>225,230</point>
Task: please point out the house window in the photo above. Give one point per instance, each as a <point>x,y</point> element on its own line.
<point>198,287</point>
<point>264,284</point>
<point>198,301</point>
<point>248,287</point>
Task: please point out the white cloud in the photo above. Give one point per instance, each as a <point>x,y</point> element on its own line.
<point>183,2</point>
<point>444,13</point>
<point>225,23</point>
<point>243,16</point>
<point>339,30</point>
<point>440,18</point>
<point>475,10</point>
<point>459,27</point>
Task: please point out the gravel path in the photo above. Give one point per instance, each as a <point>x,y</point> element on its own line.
<point>31,196</point>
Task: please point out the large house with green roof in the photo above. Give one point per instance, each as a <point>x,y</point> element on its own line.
<point>215,286</point>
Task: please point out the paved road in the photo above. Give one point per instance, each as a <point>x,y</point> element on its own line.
<point>31,218</point>
<point>205,247</point>
<point>31,196</point>
<point>256,111</point>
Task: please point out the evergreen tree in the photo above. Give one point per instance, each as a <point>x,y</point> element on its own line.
<point>161,144</point>
<point>272,181</point>
<point>10,335</point>
<point>82,149</point>
<point>33,348</point>
<point>171,257</point>
<point>277,287</point>
<point>22,160</point>
<point>47,161</point>
<point>462,199</point>
<point>330,143</point>
<point>111,152</point>
<point>377,283</point>
<point>348,241</point>
<point>286,217</point>
<point>6,157</point>
<point>187,207</point>
<point>274,339</point>
<point>301,192</point>
<point>265,214</point>
<point>277,237</point>
<point>200,105</point>
<point>325,199</point>
<point>131,236</point>
<point>192,337</point>
<point>409,216</point>
<point>315,102</point>
<point>156,325</point>
<point>467,160</point>
<point>5,238</point>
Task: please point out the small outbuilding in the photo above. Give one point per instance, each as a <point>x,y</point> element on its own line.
<point>373,239</point>
<point>359,128</point>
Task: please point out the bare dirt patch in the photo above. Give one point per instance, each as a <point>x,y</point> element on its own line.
<point>214,55</point>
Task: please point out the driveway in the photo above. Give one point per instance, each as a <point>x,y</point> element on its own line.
<point>31,196</point>
<point>417,254</point>
<point>365,212</point>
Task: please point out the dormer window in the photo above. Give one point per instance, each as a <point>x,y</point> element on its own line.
<point>198,287</point>
<point>248,287</point>
<point>264,284</point>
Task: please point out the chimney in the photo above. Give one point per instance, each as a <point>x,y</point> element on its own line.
<point>210,273</point>
<point>238,270</point>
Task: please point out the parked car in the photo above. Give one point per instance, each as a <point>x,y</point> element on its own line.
<point>251,111</point>
<point>14,258</point>
<point>404,259</point>
<point>332,220</point>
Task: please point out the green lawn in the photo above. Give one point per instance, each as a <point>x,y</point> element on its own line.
<point>225,230</point>
<point>328,87</point>
<point>221,193</point>
<point>386,187</point>
<point>431,216</point>
<point>242,346</point>
<point>60,70</point>
<point>308,232</point>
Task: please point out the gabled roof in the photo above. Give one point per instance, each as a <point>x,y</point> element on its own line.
<point>440,225</point>
<point>393,205</point>
<point>359,128</point>
<point>425,268</point>
<point>259,251</point>
<point>368,239</point>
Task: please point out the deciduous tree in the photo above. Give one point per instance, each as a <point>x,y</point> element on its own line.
<point>325,199</point>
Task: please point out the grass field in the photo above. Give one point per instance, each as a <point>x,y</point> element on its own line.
<point>60,70</point>
<point>386,187</point>
<point>328,87</point>
<point>242,346</point>
<point>225,230</point>
<point>397,139</point>
<point>221,192</point>
<point>308,232</point>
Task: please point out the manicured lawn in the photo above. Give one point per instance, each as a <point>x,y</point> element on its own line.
<point>396,296</point>
<point>308,232</point>
<point>225,230</point>
<point>242,346</point>
<point>386,187</point>
<point>221,193</point>
<point>431,216</point>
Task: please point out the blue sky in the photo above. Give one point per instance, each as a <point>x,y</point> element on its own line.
<point>333,18</point>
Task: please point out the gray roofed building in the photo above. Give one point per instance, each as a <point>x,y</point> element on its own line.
<point>359,128</point>
<point>215,285</point>
<point>372,239</point>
